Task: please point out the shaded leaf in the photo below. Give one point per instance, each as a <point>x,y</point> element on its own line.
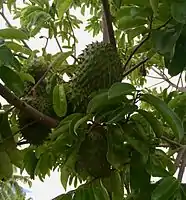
<point>178,11</point>
<point>169,116</point>
<point>6,56</point>
<point>12,80</point>
<point>155,124</point>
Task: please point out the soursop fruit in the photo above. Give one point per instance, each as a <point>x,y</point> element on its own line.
<point>99,67</point>
<point>35,132</point>
<point>92,159</point>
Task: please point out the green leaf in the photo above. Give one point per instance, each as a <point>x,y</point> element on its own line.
<point>13,33</point>
<point>80,122</point>
<point>59,100</point>
<point>154,5</point>
<point>5,130</point>
<point>6,169</point>
<point>62,6</point>
<point>67,167</point>
<point>12,80</point>
<point>60,58</point>
<point>139,178</point>
<point>178,62</point>
<point>165,189</point>
<point>118,153</point>
<point>120,89</point>
<point>26,77</point>
<point>97,102</point>
<point>128,131</point>
<point>128,22</point>
<point>117,186</point>
<point>137,2</point>
<point>18,48</point>
<point>178,11</point>
<point>155,124</point>
<point>121,113</point>
<point>164,41</point>
<point>99,191</point>
<point>6,56</point>
<point>30,162</point>
<point>156,168</point>
<point>169,116</point>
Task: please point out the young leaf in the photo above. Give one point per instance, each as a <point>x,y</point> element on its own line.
<point>26,77</point>
<point>12,80</point>
<point>60,58</point>
<point>165,189</point>
<point>59,100</point>
<point>13,33</point>
<point>63,6</point>
<point>120,89</point>
<point>169,116</point>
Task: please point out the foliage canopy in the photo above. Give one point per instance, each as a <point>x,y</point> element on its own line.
<point>102,128</point>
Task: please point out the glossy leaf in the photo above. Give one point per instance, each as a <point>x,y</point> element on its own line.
<point>13,33</point>
<point>169,116</point>
<point>120,89</point>
<point>59,100</point>
<point>165,189</point>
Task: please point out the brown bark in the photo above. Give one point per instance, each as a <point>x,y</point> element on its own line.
<point>35,114</point>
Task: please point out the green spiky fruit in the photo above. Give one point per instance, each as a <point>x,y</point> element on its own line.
<point>35,132</point>
<point>92,158</point>
<point>99,67</point>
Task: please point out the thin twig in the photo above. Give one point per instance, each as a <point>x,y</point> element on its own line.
<point>182,167</point>
<point>181,89</point>
<point>8,23</point>
<point>74,37</point>
<point>171,141</point>
<point>135,67</point>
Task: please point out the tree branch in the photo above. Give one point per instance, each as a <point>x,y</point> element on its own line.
<point>35,114</point>
<point>181,89</point>
<point>108,22</point>
<point>135,67</point>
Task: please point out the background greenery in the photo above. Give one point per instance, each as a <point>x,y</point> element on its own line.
<point>102,128</point>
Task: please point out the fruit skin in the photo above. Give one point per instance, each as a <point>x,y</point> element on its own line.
<point>35,132</point>
<point>99,67</point>
<point>92,159</point>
